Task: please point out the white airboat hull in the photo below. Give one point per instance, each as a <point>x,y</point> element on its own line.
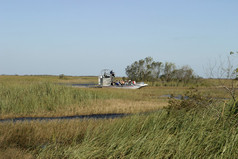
<point>136,86</point>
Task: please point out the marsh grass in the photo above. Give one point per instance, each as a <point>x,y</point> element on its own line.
<point>195,133</point>
<point>22,96</point>
<point>188,129</point>
<point>44,78</point>
<point>50,99</point>
<point>40,98</point>
<point>27,99</point>
<point>43,96</point>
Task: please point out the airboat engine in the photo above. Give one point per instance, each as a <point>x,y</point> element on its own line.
<point>106,78</point>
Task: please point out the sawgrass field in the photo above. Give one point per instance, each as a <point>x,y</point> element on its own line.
<point>202,126</point>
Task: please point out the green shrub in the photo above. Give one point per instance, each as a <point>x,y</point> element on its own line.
<point>191,100</point>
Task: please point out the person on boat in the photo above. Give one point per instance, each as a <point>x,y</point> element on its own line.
<point>134,82</point>
<point>122,82</point>
<point>129,82</point>
<point>112,73</point>
<point>117,83</point>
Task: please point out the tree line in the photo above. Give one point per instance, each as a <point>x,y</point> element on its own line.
<point>149,70</point>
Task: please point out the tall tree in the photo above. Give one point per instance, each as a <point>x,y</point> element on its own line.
<point>169,69</point>
<point>149,70</point>
<point>184,74</point>
<point>144,70</point>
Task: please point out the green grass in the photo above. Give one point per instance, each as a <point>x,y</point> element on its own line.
<point>40,98</point>
<point>194,133</point>
<point>195,128</point>
<point>43,96</point>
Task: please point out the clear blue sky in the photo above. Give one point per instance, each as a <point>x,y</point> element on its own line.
<point>81,37</point>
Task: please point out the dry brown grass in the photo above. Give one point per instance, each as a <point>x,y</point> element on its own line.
<point>55,79</point>
<point>21,139</point>
<point>101,107</point>
<point>121,106</point>
<point>15,153</point>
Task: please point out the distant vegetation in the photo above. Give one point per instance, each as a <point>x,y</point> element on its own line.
<point>149,70</point>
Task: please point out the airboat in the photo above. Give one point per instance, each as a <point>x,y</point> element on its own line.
<point>107,80</point>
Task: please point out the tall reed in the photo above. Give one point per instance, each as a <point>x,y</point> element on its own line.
<point>181,133</point>
<point>44,97</point>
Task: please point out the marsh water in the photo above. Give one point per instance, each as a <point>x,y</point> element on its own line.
<point>92,116</point>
